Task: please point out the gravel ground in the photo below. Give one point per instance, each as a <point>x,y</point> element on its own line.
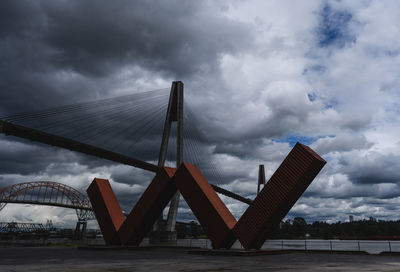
<point>177,259</point>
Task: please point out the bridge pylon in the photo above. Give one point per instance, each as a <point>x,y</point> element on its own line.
<point>166,232</point>
<point>261,178</point>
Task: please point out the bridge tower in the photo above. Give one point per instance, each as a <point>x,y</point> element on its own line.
<point>261,177</point>
<point>167,233</point>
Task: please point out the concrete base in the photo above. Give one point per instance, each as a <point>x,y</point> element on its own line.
<point>254,252</point>
<point>236,252</point>
<point>163,237</point>
<point>66,259</point>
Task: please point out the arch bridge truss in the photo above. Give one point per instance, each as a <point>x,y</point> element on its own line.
<point>48,193</point>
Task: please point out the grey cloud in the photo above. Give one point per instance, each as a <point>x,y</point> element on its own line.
<point>282,108</point>
<point>57,51</point>
<point>240,150</point>
<point>23,157</point>
<point>256,150</point>
<point>16,17</point>
<point>356,122</point>
<point>332,209</point>
<point>381,191</point>
<point>341,143</point>
<point>373,168</point>
<point>27,159</point>
<point>129,175</point>
<point>179,38</point>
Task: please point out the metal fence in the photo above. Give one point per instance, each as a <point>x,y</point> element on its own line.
<point>370,246</point>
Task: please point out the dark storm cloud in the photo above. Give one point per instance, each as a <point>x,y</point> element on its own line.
<point>43,42</point>
<point>373,168</point>
<point>240,150</point>
<point>178,37</point>
<point>17,157</point>
<point>130,175</point>
<point>55,53</point>
<point>27,158</point>
<point>256,149</point>
<point>18,17</point>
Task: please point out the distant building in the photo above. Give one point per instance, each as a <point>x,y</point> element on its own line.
<point>351,218</point>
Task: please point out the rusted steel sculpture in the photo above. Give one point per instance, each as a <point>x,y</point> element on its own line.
<point>278,196</point>
<point>270,206</point>
<point>149,207</point>
<point>106,209</point>
<point>130,231</point>
<point>215,218</point>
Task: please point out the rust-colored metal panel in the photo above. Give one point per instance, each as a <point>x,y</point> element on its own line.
<point>278,196</point>
<point>148,208</point>
<point>215,218</point>
<point>107,210</point>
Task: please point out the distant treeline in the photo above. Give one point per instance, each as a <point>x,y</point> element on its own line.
<point>298,229</point>
<point>362,229</point>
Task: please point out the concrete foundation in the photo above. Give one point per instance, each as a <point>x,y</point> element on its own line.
<point>162,237</point>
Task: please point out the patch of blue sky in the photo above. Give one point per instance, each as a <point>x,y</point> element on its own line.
<point>315,69</point>
<point>311,97</point>
<point>332,103</point>
<point>333,29</point>
<point>292,139</point>
<point>379,52</point>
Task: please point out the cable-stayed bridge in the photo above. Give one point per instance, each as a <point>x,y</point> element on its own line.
<point>146,130</point>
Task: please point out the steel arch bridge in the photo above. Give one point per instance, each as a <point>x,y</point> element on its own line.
<point>48,193</point>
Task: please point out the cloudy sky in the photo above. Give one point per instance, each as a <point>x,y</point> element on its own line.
<point>258,75</point>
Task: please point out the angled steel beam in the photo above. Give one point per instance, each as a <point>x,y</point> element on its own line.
<point>215,218</point>
<point>227,193</point>
<point>9,128</point>
<point>118,230</point>
<point>278,196</point>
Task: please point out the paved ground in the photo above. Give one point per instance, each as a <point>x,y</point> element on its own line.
<point>163,259</point>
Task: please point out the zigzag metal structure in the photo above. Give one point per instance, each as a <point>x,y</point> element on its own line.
<point>48,193</point>
<point>127,130</point>
<point>270,206</point>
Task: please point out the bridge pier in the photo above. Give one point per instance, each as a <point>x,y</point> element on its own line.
<point>80,230</point>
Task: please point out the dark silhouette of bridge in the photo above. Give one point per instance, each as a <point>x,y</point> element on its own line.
<point>48,193</point>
